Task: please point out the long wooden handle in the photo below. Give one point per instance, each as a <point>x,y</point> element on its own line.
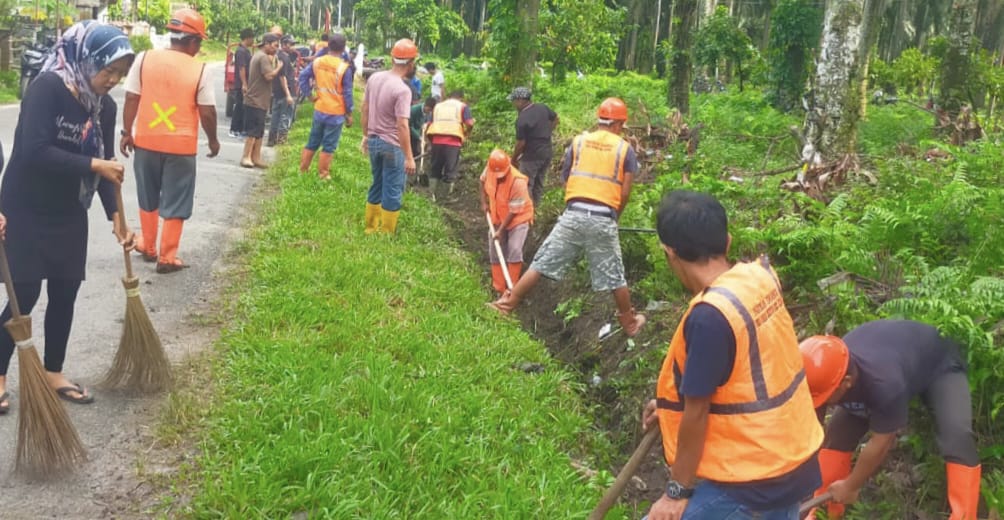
<point>815,502</point>
<point>8,281</point>
<point>498,251</point>
<point>122,225</point>
<point>628,471</point>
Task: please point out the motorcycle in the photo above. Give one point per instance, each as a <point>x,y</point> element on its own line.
<point>32,59</point>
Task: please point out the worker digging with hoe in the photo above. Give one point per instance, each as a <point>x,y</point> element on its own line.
<point>505,196</point>
<point>332,79</point>
<point>451,123</point>
<point>258,99</point>
<point>168,94</point>
<point>387,139</point>
<point>739,431</point>
<point>597,169</point>
<point>534,126</point>
<point>871,375</point>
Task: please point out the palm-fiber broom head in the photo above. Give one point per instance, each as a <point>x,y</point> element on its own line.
<point>47,442</point>
<point>140,365</point>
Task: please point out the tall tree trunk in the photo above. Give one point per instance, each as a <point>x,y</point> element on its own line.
<point>630,63</point>
<point>683,30</point>
<point>831,124</point>
<point>524,50</point>
<point>957,65</point>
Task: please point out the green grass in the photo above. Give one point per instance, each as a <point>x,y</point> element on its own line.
<point>363,377</point>
<point>9,87</point>
<point>213,50</point>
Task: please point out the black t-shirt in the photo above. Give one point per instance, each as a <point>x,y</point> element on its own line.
<point>896,360</point>
<point>242,58</point>
<point>533,125</point>
<point>287,66</point>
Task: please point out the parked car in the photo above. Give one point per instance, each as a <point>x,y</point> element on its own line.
<point>229,75</point>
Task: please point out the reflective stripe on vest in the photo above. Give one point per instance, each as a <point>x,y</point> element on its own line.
<point>167,119</point>
<point>448,119</point>
<point>761,423</point>
<point>328,73</point>
<point>499,205</point>
<point>597,170</point>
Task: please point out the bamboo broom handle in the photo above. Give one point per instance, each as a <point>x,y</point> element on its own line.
<point>122,225</point>
<point>8,282</point>
<point>815,502</point>
<point>498,251</point>
<point>625,475</point>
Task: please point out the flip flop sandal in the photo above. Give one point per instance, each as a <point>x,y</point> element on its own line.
<point>64,394</point>
<point>4,408</point>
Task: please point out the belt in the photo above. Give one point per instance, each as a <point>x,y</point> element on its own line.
<point>592,213</point>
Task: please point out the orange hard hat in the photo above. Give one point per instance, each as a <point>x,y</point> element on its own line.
<point>404,50</point>
<point>188,21</point>
<point>825,359</point>
<point>612,109</point>
<point>276,30</point>
<point>498,162</point>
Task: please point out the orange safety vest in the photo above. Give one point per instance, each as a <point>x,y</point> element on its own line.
<point>499,200</point>
<point>448,119</point>
<point>328,73</point>
<point>597,171</point>
<point>761,423</point>
<point>168,116</point>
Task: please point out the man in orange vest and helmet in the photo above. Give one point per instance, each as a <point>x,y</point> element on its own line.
<point>738,427</point>
<point>505,196</point>
<point>332,104</point>
<point>387,137</point>
<point>168,94</point>
<point>597,169</point>
<point>451,122</point>
<point>871,375</point>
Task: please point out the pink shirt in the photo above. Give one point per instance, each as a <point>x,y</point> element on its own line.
<point>388,99</point>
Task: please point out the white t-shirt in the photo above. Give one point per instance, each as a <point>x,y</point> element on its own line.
<point>206,94</point>
<point>437,84</point>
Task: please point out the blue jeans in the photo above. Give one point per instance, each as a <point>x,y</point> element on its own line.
<point>710,502</point>
<point>387,165</point>
<point>324,136</point>
<point>282,117</point>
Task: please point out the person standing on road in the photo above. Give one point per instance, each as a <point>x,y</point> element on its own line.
<point>505,197</point>
<point>242,58</point>
<point>63,153</point>
<point>385,113</point>
<point>282,95</point>
<point>597,170</point>
<point>451,122</point>
<point>738,428</point>
<point>332,77</point>
<point>534,126</point>
<point>872,374</point>
<point>263,69</point>
<point>438,81</point>
<point>168,94</point>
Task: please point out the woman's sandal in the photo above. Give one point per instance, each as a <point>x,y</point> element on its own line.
<point>5,408</point>
<point>64,394</point>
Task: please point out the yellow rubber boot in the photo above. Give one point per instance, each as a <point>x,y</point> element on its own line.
<point>963,490</point>
<point>372,218</point>
<point>389,221</point>
<point>146,243</point>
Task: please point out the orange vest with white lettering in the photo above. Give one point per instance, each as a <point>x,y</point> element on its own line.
<point>761,424</point>
<point>499,201</point>
<point>597,171</point>
<point>448,119</point>
<point>328,73</point>
<point>168,116</point>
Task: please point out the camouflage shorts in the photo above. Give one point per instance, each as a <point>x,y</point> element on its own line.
<point>576,234</point>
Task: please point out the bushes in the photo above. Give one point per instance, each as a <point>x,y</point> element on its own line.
<point>140,43</point>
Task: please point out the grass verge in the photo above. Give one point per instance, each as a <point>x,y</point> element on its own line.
<point>363,377</point>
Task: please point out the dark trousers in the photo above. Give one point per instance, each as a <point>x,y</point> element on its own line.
<point>948,400</point>
<point>445,163</point>
<point>58,319</point>
<point>536,171</point>
<point>237,121</point>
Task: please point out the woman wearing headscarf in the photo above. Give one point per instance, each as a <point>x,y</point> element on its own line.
<point>63,154</point>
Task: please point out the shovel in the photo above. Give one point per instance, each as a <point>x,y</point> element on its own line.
<point>498,251</point>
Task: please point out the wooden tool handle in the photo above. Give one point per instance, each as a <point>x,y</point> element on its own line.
<point>8,281</point>
<point>815,502</point>
<point>498,251</point>
<point>122,225</point>
<point>610,497</point>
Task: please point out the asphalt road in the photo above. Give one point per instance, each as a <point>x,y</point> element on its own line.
<point>115,428</point>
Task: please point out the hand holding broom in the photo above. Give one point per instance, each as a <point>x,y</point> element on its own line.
<point>47,442</point>
<point>140,364</point>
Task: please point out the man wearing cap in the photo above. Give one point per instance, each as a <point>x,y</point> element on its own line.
<point>534,126</point>
<point>597,170</point>
<point>167,95</point>
<point>871,375</point>
<point>263,70</point>
<point>283,102</point>
<point>332,105</point>
<point>386,137</point>
<point>451,122</point>
<point>505,197</point>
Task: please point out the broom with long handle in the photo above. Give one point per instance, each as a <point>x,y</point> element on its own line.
<point>47,442</point>
<point>140,365</point>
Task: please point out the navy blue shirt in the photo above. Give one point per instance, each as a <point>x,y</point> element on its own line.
<point>711,354</point>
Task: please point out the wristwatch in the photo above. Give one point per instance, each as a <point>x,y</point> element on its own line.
<point>677,491</point>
